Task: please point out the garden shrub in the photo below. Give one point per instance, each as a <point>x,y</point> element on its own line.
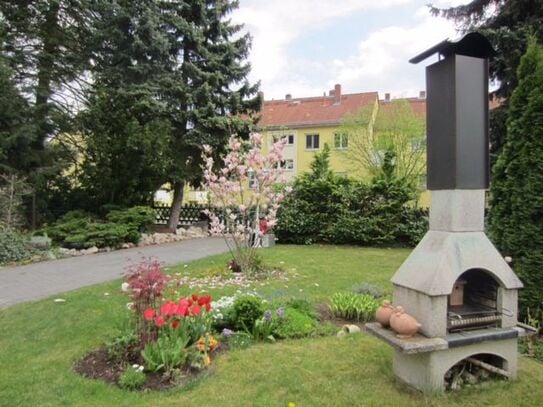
<point>13,246</point>
<point>246,310</point>
<point>302,305</point>
<point>138,217</point>
<point>345,211</point>
<point>295,324</point>
<point>354,307</point>
<point>79,229</point>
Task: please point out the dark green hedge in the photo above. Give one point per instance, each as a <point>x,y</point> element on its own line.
<point>345,211</point>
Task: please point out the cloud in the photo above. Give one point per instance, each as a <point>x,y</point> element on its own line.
<point>275,24</point>
<point>379,62</point>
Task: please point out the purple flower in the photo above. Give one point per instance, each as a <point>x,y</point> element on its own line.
<point>268,316</point>
<point>227,333</point>
<point>280,312</point>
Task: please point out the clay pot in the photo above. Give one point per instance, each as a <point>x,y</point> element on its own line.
<point>403,324</point>
<point>383,313</point>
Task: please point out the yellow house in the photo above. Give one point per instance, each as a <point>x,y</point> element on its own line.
<point>310,122</point>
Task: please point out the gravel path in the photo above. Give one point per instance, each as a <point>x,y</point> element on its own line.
<point>44,279</point>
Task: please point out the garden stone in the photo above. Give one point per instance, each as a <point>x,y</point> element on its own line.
<point>49,255</point>
<point>90,250</point>
<point>40,242</point>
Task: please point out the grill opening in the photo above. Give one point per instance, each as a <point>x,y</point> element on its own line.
<point>473,302</point>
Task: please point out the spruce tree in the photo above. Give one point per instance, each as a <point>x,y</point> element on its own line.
<point>209,97</point>
<point>125,126</point>
<point>516,211</point>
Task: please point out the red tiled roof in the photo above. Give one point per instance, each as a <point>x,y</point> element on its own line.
<point>304,112</point>
<point>417,104</point>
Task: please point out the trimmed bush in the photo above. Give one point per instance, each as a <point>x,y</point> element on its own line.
<point>346,211</point>
<point>246,310</point>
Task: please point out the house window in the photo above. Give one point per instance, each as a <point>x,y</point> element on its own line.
<point>341,141</point>
<point>289,137</point>
<point>312,141</point>
<point>286,164</point>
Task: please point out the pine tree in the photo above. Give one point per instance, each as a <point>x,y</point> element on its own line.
<point>516,214</point>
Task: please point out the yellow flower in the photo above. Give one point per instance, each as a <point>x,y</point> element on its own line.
<point>207,360</point>
<point>291,404</point>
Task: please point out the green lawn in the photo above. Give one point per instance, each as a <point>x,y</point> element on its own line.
<point>40,341</point>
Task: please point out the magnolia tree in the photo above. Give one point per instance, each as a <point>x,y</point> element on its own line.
<point>247,191</point>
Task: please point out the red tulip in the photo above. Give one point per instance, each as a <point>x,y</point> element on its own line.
<point>195,310</point>
<point>149,314</point>
<point>159,321</point>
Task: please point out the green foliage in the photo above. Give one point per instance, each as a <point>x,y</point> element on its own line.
<point>246,310</point>
<point>368,289</point>
<point>79,229</point>
<point>354,307</point>
<point>166,353</point>
<point>13,246</point>
<point>120,347</point>
<point>515,217</point>
<point>132,379</point>
<point>345,211</point>
<point>395,130</point>
<point>139,217</point>
<point>295,324</point>
<point>302,305</point>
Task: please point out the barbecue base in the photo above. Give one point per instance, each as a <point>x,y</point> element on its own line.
<point>426,371</point>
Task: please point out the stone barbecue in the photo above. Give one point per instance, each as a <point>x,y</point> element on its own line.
<point>455,282</point>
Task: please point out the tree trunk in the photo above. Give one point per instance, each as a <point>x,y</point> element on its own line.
<point>175,211</point>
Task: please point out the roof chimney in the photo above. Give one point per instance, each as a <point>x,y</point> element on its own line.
<point>337,93</point>
<point>387,97</point>
<point>288,96</point>
<point>422,94</point>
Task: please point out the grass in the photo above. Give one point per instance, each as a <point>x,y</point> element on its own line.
<point>40,341</point>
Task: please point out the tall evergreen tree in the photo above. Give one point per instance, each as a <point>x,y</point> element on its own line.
<point>516,212</point>
<point>209,94</point>
<point>126,126</point>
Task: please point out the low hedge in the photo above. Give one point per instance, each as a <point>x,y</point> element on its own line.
<point>79,230</point>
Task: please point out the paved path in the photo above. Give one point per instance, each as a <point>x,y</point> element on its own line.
<point>41,280</point>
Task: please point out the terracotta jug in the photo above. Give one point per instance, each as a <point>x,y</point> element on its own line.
<point>383,313</point>
<point>403,324</point>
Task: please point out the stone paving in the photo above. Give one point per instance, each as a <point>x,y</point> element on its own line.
<point>44,279</point>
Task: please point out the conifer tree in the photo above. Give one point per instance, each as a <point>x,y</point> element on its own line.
<point>209,95</point>
<point>516,212</point>
<point>125,126</point>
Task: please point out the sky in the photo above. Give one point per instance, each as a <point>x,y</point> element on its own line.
<point>304,47</point>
